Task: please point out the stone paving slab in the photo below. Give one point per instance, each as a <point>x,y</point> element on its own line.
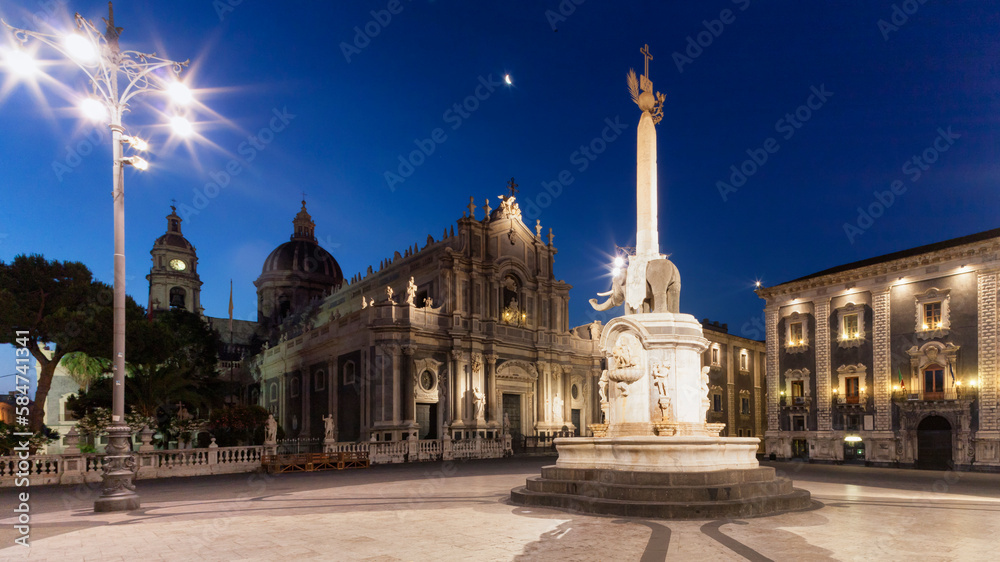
<point>460,511</point>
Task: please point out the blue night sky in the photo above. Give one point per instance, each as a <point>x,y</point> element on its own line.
<point>355,102</point>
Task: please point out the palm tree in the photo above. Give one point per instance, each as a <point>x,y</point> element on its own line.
<point>84,369</point>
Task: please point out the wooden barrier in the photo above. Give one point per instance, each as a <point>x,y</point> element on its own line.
<point>309,462</point>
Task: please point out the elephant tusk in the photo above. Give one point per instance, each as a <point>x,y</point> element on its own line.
<point>605,294</point>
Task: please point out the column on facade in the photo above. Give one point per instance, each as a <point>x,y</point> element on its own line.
<point>989,407</point>
<point>771,366</point>
<point>457,386</point>
<point>493,397</point>
<point>566,394</point>
<point>406,372</point>
<point>823,392</point>
<point>333,392</point>
<point>304,377</point>
<point>394,383</point>
<point>541,416</point>
<point>881,342</point>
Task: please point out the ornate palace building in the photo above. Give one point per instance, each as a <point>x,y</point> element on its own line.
<point>890,360</point>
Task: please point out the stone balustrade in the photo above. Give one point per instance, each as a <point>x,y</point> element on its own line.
<point>80,468</point>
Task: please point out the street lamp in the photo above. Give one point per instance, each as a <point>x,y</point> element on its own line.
<point>100,57</point>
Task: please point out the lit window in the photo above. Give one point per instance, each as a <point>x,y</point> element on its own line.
<point>798,389</point>
<point>852,392</point>
<point>933,381</point>
<point>795,333</point>
<point>851,326</point>
<point>932,315</point>
<point>744,361</point>
<point>715,355</point>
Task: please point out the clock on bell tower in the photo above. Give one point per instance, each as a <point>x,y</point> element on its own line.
<point>173,279</point>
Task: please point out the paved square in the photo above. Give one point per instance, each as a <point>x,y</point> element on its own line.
<point>459,511</point>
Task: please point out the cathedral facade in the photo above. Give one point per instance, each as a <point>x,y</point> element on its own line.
<point>455,337</point>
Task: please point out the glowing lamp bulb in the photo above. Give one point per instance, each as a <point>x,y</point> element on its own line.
<point>180,93</point>
<point>619,262</point>
<point>972,384</point>
<point>80,48</point>
<point>958,383</point>
<point>181,126</point>
<point>20,63</point>
<point>506,78</point>
<point>93,109</point>
<point>895,387</point>
<point>862,390</point>
<point>138,144</point>
<point>925,326</point>
<point>615,272</point>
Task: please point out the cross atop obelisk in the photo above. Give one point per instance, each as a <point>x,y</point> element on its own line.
<point>648,57</point>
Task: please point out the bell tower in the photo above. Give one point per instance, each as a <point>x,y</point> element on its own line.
<point>173,279</point>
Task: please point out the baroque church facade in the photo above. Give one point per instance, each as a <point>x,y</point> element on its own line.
<point>889,361</point>
<point>460,337</point>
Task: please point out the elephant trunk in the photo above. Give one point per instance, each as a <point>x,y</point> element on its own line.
<point>601,307</point>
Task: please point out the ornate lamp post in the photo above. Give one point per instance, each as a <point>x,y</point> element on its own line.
<point>100,57</point>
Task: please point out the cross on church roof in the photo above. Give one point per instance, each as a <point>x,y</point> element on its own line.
<point>647,56</point>
<point>512,187</point>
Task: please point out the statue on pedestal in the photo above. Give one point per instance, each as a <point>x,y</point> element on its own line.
<point>411,292</point>
<point>479,399</point>
<point>271,430</point>
<point>328,428</point>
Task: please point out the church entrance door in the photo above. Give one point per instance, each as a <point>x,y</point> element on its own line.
<point>512,408</point>
<point>427,420</point>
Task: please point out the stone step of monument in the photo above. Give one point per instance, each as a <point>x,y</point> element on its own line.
<point>630,492</point>
<point>725,477</point>
<point>766,505</point>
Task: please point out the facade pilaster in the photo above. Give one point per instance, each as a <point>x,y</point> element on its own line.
<point>882,366</point>
<point>987,296</point>
<point>771,366</point>
<point>823,391</point>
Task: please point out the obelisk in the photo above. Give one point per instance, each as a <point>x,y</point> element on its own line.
<point>647,241</point>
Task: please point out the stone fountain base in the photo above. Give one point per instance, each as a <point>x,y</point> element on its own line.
<point>708,494</point>
<point>657,457</point>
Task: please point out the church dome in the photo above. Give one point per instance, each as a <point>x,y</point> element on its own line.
<point>303,256</point>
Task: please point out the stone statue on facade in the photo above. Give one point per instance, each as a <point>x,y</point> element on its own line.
<point>506,423</point>
<point>364,302</point>
<point>328,428</point>
<point>557,408</point>
<point>479,399</point>
<point>271,430</point>
<point>389,292</point>
<point>411,292</point>
<point>659,374</point>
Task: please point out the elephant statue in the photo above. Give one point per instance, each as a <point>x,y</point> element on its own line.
<point>663,289</point>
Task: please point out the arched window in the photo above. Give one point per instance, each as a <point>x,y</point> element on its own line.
<point>933,382</point>
<point>177,296</point>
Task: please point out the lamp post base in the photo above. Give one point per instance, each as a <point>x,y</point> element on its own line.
<point>117,489</point>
